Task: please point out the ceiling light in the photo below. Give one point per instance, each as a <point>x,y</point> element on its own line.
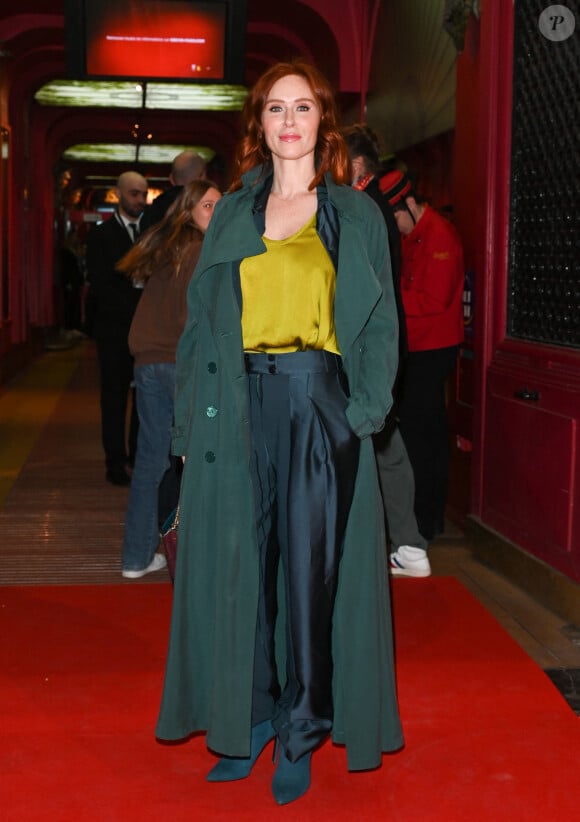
<point>127,153</point>
<point>172,96</point>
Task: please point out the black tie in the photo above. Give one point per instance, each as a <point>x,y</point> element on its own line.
<point>134,230</point>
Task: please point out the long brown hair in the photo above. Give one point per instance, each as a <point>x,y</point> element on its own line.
<point>169,240</point>
<point>330,153</point>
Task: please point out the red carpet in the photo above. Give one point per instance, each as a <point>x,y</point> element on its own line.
<point>487,735</point>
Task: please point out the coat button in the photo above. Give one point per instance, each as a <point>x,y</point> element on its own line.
<point>211,411</point>
<point>209,456</point>
<point>211,367</point>
<point>272,369</point>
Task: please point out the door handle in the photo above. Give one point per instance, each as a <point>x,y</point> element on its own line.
<point>525,394</point>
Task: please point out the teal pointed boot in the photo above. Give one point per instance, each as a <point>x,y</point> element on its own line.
<point>231,768</point>
<point>291,779</point>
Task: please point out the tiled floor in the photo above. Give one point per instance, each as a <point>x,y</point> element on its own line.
<point>62,523</point>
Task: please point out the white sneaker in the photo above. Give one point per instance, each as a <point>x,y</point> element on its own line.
<point>407,561</point>
<point>158,562</point>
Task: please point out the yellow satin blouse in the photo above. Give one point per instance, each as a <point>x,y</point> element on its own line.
<point>288,295</point>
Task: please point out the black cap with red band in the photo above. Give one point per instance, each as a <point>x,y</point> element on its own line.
<point>395,185</point>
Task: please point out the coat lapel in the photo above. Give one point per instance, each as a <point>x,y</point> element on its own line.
<point>231,239</point>
<point>214,277</point>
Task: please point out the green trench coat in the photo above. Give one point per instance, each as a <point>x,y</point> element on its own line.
<point>208,682</point>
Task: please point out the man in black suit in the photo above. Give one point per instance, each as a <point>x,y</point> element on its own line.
<point>185,168</point>
<point>116,299</point>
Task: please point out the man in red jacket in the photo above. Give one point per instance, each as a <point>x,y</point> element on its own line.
<point>432,279</point>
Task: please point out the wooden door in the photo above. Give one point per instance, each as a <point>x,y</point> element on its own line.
<point>530,416</point>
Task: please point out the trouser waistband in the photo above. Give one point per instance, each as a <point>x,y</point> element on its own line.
<point>293,362</point>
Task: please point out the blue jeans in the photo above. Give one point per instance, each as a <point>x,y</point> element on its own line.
<point>155,386</point>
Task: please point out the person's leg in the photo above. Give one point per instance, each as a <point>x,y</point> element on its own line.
<point>446,362</point>
<point>155,389</point>
<point>424,428</point>
<point>129,392</point>
<point>398,490</point>
<point>414,412</point>
<point>113,387</point>
<point>264,427</point>
<point>317,467</point>
<point>265,687</point>
<point>169,490</point>
<point>133,432</point>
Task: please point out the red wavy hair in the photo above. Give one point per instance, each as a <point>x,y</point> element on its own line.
<point>330,154</point>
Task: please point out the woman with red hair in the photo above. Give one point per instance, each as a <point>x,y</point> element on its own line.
<point>281,624</point>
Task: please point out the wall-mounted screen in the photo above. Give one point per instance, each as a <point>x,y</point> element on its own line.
<point>156,39</point>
